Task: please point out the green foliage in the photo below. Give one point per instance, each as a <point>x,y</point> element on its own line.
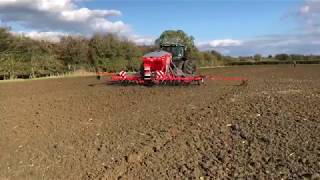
<point>179,36</point>
<point>210,58</point>
<point>277,59</point>
<point>112,54</point>
<point>217,55</point>
<point>5,39</point>
<point>297,57</point>
<point>73,50</point>
<point>257,57</point>
<point>23,57</point>
<point>270,62</point>
<point>282,57</point>
<point>26,57</point>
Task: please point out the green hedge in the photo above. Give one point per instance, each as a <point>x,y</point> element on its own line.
<point>237,63</point>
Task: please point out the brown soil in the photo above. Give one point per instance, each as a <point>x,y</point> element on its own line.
<point>81,128</point>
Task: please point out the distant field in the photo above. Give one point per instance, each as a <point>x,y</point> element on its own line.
<point>81,128</point>
<point>272,62</point>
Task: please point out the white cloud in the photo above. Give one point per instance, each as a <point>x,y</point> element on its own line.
<point>46,36</point>
<point>305,9</point>
<point>310,7</point>
<point>59,16</point>
<point>224,43</point>
<point>304,41</point>
<point>218,44</point>
<point>142,40</point>
<point>51,19</point>
<point>310,14</point>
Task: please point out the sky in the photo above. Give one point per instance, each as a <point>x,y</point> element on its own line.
<point>233,27</point>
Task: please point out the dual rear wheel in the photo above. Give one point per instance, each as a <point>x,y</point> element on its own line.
<point>189,67</point>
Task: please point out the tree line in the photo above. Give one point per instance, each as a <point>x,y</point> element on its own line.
<point>280,57</point>
<point>23,57</point>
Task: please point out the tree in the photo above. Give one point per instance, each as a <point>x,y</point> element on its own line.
<point>209,59</point>
<point>282,57</point>
<point>243,58</point>
<point>217,55</point>
<point>296,57</point>
<point>5,39</point>
<point>25,57</point>
<point>73,50</point>
<point>111,53</point>
<point>257,57</point>
<point>179,36</point>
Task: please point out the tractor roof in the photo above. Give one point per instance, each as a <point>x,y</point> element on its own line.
<point>171,44</point>
<point>156,54</point>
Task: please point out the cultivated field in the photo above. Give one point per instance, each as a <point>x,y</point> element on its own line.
<point>80,128</point>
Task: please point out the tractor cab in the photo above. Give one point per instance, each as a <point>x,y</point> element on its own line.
<point>169,65</point>
<point>179,58</point>
<point>177,50</point>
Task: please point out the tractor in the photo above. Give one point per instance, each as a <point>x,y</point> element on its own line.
<point>180,57</point>
<point>167,66</point>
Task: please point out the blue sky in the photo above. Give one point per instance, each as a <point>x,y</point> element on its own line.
<point>206,19</point>
<point>233,27</point>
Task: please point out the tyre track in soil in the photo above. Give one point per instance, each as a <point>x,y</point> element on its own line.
<point>189,125</point>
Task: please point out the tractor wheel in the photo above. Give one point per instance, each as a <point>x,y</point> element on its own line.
<point>188,67</point>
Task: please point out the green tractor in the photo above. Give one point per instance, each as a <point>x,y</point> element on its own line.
<point>180,57</point>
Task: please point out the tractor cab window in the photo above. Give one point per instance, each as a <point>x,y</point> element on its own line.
<point>166,48</point>
<point>176,51</point>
